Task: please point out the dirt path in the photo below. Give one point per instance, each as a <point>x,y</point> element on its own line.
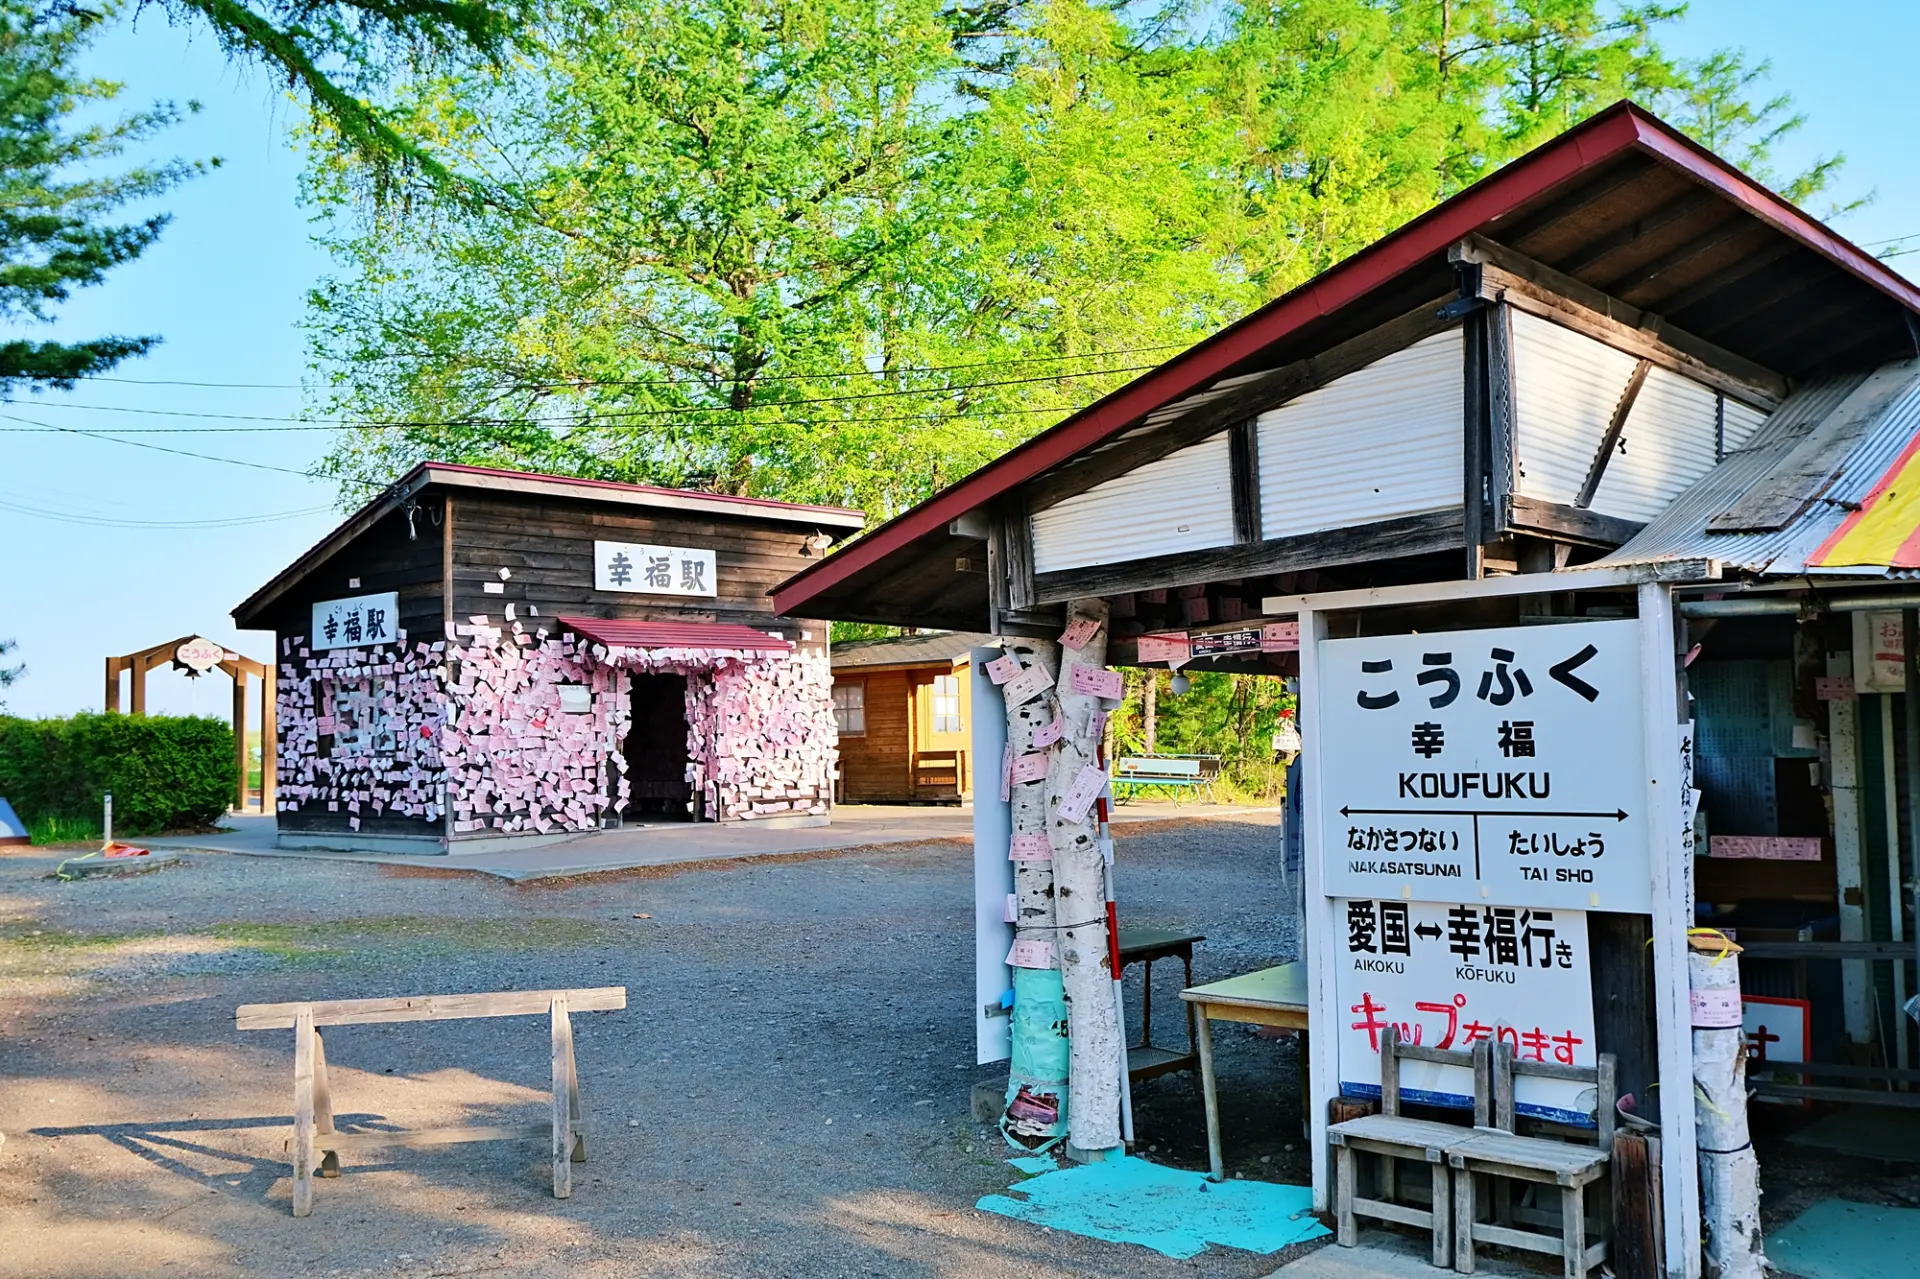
<point>796,1104</point>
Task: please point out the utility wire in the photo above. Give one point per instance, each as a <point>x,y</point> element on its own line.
<point>161,448</point>
<point>74,517</point>
<point>703,381</point>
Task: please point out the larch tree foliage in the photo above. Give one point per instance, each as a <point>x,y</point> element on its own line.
<point>61,198</point>
<point>847,251</point>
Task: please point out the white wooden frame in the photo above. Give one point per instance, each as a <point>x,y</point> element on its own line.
<point>1671,862</point>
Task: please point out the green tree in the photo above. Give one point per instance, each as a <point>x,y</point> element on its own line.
<point>838,250</point>
<point>59,193</point>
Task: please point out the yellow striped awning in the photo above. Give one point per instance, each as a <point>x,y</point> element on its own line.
<point>1885,531</point>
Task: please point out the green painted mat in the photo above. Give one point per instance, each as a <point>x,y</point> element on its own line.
<point>1836,1239</point>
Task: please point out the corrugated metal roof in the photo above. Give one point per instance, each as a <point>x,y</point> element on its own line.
<point>909,650</point>
<point>1681,531</point>
<point>619,632</point>
<point>1180,502</point>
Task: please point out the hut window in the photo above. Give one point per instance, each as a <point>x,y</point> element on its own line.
<point>850,707</point>
<point>946,703</point>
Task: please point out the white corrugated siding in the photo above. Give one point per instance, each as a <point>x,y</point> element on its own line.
<point>1381,442</point>
<point>1565,387</point>
<point>1666,445</point>
<point>1182,502</point>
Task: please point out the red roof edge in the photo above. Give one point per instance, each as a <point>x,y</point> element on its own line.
<point>620,632</point>
<point>460,468</point>
<point>1596,140</point>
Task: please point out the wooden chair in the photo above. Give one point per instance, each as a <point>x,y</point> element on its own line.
<point>1391,1135</point>
<point>1498,1154</point>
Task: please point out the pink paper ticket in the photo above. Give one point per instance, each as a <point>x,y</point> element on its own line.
<point>1031,954</point>
<point>1047,734</point>
<point>1026,686</point>
<point>1030,848</point>
<point>1078,632</point>
<point>1280,637</point>
<point>1095,681</point>
<point>1029,768</point>
<point>1002,668</point>
<point>1080,796</point>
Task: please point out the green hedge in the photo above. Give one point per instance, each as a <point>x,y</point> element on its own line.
<point>165,771</point>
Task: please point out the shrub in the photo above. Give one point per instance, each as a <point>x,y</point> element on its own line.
<point>165,771</point>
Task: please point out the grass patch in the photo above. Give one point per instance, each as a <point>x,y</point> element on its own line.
<point>64,830</point>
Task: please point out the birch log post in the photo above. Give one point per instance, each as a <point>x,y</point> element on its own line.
<point>1037,1092</point>
<point>1080,902</point>
<point>1729,1171</point>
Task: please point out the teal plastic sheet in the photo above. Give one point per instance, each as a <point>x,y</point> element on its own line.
<point>1836,1239</point>
<point>1036,1114</point>
<point>1177,1214</point>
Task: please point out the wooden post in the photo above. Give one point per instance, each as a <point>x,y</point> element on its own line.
<point>269,738</point>
<point>1203,1040</point>
<point>112,703</point>
<point>1636,1210</point>
<point>562,1100</point>
<point>139,671</point>
<point>240,739</point>
<point>323,1105</point>
<point>303,1053</point>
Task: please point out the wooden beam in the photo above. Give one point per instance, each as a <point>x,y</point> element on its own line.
<point>361,1012</point>
<point>446,570</point>
<point>1734,228</point>
<point>1501,411</point>
<point>112,702</point>
<point>1705,287</point>
<point>1532,515</point>
<point>1534,287</point>
<point>1016,543</point>
<point>1243,460</point>
<point>1597,469</point>
<point>1360,544</point>
<point>240,741</point>
<point>1264,391</point>
<point>1582,197</point>
<point>269,740</point>
<point>1478,434</point>
<point>1612,242</point>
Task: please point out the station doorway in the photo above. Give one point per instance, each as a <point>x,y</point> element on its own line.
<point>656,751</point>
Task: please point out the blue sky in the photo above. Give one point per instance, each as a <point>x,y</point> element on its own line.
<point>225,288</point>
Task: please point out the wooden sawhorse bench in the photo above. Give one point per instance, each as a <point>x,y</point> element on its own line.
<point>313,1100</point>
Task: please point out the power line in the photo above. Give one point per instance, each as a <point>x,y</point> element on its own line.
<point>612,415</point>
<point>74,517</point>
<point>161,448</point>
<point>696,380</point>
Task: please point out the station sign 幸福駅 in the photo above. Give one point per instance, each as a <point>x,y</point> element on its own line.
<point>1501,766</point>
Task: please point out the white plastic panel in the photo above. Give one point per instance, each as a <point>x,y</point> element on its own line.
<point>1182,502</point>
<point>1667,444</point>
<point>1381,442</point>
<point>1565,387</point>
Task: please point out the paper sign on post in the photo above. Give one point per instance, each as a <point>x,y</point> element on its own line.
<point>1012,911</point>
<point>1002,668</point>
<point>1029,768</point>
<point>1031,954</point>
<point>1030,848</point>
<point>1087,785</point>
<point>1049,733</point>
<point>1096,681</point>
<point>1078,632</point>
<point>1097,725</point>
<point>1766,848</point>
<point>1026,686</point>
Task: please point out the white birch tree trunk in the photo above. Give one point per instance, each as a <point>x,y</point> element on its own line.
<point>1038,1064</point>
<point>1080,906</point>
<point>1729,1171</point>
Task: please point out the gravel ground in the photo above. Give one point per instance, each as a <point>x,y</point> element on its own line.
<point>786,1094</point>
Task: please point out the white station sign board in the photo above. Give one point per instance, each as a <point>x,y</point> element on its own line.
<point>1449,975</point>
<point>1502,766</point>
<point>356,620</point>
<point>645,569</point>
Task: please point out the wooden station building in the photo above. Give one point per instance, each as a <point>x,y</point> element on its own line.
<point>479,655</point>
<point>902,705</point>
<point>1615,381</point>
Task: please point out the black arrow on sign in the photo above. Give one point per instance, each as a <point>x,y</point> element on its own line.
<point>1618,814</point>
<point>1429,931</point>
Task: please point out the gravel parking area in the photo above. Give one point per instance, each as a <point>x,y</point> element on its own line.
<point>786,1094</point>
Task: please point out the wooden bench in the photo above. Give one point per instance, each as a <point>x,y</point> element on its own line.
<point>1392,1136</point>
<point>1499,1153</point>
<point>313,1098</point>
<point>1174,774</point>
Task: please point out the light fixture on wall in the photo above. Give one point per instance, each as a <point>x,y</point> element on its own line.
<point>817,544</point>
<point>1179,683</point>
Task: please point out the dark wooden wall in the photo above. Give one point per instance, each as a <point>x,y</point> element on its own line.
<point>547,546</point>
<point>874,766</point>
<point>390,556</point>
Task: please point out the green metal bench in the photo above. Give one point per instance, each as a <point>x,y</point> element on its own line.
<point>1174,775</point>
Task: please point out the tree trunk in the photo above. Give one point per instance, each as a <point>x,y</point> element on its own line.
<point>1080,904</point>
<point>1037,1092</point>
<point>1729,1172</point>
<point>1150,708</point>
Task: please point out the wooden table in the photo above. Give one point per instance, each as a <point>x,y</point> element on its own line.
<point>1274,996</point>
<point>1146,1059</point>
